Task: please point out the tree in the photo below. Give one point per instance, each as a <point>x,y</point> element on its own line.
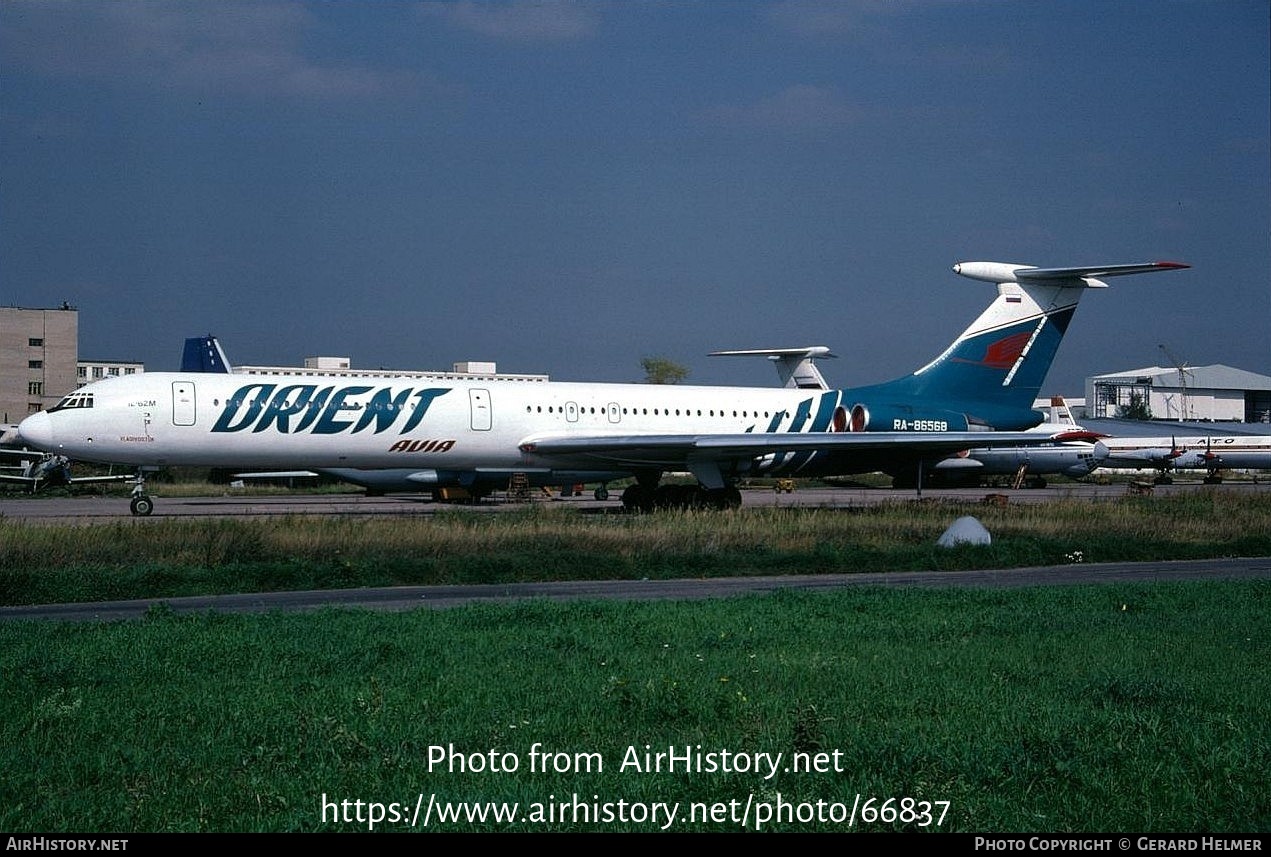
<point>1138,409</point>
<point>659,370</point>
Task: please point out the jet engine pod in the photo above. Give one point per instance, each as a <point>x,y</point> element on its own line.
<point>867,417</point>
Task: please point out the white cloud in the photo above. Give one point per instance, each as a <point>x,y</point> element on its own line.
<point>242,48</point>
<point>519,20</point>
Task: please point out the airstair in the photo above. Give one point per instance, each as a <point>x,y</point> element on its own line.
<point>1020,475</point>
<point>519,488</point>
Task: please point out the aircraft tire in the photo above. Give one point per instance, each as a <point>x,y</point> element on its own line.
<point>724,499</point>
<point>141,505</point>
<point>677,497</point>
<point>601,493</point>
<point>637,498</point>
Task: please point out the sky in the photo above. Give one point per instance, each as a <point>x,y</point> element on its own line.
<point>567,188</point>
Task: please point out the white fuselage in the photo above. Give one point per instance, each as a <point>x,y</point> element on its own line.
<point>226,420</point>
<point>1225,452</point>
<point>1074,459</point>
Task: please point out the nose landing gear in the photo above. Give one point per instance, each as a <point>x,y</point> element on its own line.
<point>141,504</point>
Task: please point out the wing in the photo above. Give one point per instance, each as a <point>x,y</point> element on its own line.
<point>74,480</point>
<point>21,462</point>
<point>92,480</point>
<point>279,474</point>
<point>39,468</point>
<point>709,457</point>
<point>1146,454</point>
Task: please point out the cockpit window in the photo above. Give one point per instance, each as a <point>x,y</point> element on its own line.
<point>73,400</point>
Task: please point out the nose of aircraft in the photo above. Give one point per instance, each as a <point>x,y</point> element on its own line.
<point>37,431</point>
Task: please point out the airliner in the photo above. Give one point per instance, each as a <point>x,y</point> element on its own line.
<point>38,470</point>
<point>35,470</point>
<point>1212,453</point>
<point>1069,451</point>
<point>479,433</point>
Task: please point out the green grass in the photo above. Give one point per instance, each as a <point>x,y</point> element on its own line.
<point>1124,707</point>
<point>42,563</point>
<point>1140,708</point>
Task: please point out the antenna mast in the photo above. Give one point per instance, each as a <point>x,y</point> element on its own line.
<point>1184,411</point>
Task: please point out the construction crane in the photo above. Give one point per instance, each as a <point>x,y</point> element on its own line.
<point>1183,372</point>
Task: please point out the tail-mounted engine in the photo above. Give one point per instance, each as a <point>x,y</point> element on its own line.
<point>907,418</point>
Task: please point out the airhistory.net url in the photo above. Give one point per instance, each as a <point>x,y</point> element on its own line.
<point>427,810</point>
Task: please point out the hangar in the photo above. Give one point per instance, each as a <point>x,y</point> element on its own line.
<point>1215,393</point>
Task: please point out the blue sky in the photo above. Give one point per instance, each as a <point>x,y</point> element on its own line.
<point>566,188</point>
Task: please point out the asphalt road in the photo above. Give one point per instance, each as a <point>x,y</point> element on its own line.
<point>398,598</point>
<point>88,509</point>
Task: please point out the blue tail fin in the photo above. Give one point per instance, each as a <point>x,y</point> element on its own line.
<point>992,373</point>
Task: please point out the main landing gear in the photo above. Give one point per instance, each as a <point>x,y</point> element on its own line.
<point>141,504</point>
<point>643,498</point>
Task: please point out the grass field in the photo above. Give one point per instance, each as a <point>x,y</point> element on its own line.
<point>200,556</point>
<point>1117,708</point>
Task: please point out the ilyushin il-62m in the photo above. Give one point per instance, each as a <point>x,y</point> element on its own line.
<point>478,433</point>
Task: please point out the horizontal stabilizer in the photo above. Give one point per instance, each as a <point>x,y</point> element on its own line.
<point>1078,434</point>
<point>1005,272</point>
<point>1098,271</point>
<point>795,366</point>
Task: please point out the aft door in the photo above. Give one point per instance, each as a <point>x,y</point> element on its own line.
<point>183,403</point>
<point>479,401</point>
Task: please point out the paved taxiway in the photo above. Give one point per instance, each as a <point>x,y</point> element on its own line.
<point>399,598</point>
<point>89,510</point>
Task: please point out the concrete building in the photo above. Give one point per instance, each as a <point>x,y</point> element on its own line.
<point>39,360</point>
<point>39,349</point>
<point>87,371</point>
<point>340,367</point>
<point>1214,393</point>
<point>327,363</point>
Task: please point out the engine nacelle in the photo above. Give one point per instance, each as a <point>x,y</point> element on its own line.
<point>990,272</point>
<point>866,417</point>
